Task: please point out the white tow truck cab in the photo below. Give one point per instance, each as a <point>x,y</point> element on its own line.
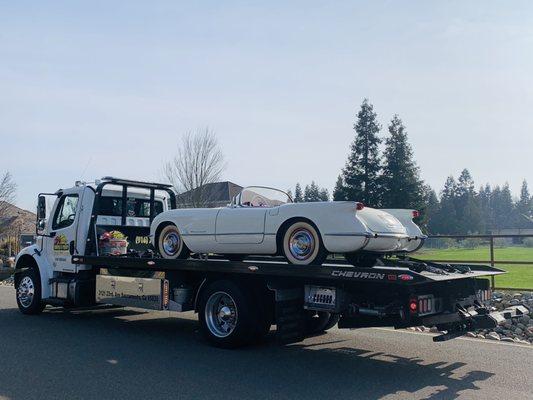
<point>94,248</point>
<point>78,218</point>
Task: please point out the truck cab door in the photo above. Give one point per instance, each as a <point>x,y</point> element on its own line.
<point>62,230</point>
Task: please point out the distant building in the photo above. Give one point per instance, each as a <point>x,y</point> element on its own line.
<point>525,229</point>
<point>218,194</point>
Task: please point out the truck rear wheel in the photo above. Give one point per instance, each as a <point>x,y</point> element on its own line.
<point>226,315</point>
<point>316,321</point>
<point>333,320</point>
<point>28,288</point>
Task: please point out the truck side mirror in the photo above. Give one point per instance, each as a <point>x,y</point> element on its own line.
<point>41,213</point>
<point>41,208</point>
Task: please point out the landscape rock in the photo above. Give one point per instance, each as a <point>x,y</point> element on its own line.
<point>7,282</point>
<point>493,336</point>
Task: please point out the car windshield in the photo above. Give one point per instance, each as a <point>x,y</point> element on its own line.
<point>257,196</point>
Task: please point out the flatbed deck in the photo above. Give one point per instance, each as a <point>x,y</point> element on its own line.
<point>399,275</point>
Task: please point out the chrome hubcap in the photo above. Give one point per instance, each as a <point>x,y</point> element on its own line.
<point>301,244</point>
<point>26,292</point>
<point>171,243</point>
<point>221,314</point>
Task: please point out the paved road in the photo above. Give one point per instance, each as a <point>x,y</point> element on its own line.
<point>118,353</point>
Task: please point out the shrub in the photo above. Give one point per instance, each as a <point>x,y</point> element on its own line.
<point>470,243</point>
<point>528,242</point>
<point>502,242</point>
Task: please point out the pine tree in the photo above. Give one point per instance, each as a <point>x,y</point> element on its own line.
<point>289,192</point>
<point>445,221</point>
<point>401,184</point>
<point>502,207</point>
<point>311,192</point>
<point>485,208</point>
<point>323,194</point>
<point>432,207</point>
<point>298,197</point>
<point>338,191</point>
<point>361,173</point>
<point>524,206</point>
<point>467,205</point>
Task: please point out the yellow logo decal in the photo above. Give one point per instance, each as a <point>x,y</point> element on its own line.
<point>60,243</point>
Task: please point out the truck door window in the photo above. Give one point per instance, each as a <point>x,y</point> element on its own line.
<point>65,212</point>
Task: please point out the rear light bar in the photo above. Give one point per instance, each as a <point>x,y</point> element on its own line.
<point>422,305</point>
<point>484,295</point>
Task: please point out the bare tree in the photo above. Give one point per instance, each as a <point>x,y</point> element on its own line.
<point>198,162</point>
<point>8,189</point>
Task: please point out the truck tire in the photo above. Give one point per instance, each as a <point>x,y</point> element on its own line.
<point>226,315</point>
<point>28,292</point>
<point>333,320</point>
<point>316,322</point>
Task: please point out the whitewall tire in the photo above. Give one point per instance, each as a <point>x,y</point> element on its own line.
<point>170,243</point>
<point>302,244</point>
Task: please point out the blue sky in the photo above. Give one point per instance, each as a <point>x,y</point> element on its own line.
<point>89,89</point>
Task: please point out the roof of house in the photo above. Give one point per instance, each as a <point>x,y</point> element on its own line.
<point>216,192</point>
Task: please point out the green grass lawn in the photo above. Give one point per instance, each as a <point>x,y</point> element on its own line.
<point>518,276</point>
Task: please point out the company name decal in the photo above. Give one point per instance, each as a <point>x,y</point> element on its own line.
<point>357,275</point>
<point>60,243</point>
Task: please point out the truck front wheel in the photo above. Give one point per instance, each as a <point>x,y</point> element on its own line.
<point>29,292</point>
<point>225,313</point>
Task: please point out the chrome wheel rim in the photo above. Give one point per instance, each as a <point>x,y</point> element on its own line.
<point>26,292</point>
<point>171,243</point>
<point>301,244</point>
<point>221,314</point>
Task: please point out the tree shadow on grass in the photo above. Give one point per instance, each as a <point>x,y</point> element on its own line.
<point>122,353</point>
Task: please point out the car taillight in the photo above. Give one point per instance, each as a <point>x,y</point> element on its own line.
<point>413,306</point>
<point>416,213</point>
<point>359,206</point>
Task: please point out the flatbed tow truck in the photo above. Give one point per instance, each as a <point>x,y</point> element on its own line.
<point>237,301</point>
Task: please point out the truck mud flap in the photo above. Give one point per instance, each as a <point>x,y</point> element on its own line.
<point>290,314</point>
<point>461,322</point>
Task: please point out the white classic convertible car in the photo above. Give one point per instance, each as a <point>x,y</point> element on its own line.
<point>266,221</point>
